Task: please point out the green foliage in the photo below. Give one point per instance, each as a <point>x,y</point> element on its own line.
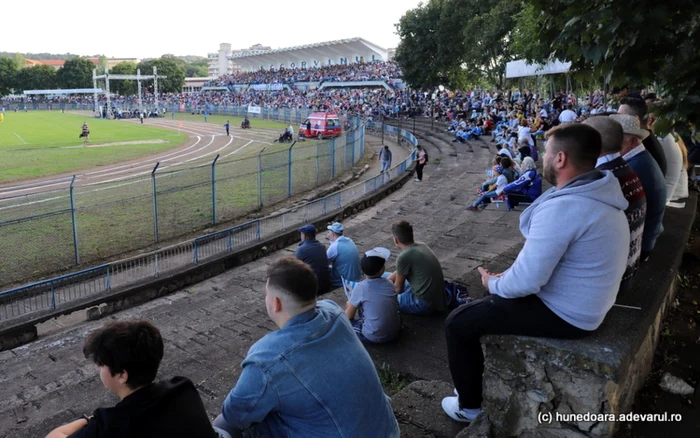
<point>630,43</point>
<point>456,42</point>
<point>124,87</point>
<point>40,77</point>
<point>168,66</point>
<point>8,71</point>
<point>75,73</point>
<point>391,382</point>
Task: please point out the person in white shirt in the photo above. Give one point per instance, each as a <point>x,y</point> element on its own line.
<point>568,115</point>
<point>484,199</point>
<point>675,176</point>
<point>543,113</point>
<point>525,132</point>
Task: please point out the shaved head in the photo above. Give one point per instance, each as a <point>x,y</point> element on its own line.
<point>611,132</point>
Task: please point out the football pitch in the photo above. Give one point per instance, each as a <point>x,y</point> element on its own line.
<point>37,144</point>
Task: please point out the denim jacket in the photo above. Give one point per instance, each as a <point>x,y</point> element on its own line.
<point>312,378</point>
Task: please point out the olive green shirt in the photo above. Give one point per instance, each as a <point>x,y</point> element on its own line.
<point>424,274</point>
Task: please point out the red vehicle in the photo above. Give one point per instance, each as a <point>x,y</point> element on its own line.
<point>321,125</point>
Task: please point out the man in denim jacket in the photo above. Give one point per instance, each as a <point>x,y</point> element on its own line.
<point>311,378</point>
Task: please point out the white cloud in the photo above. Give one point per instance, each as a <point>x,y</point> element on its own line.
<point>142,28</point>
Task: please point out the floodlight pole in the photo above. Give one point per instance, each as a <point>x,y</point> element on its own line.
<point>109,93</point>
<point>138,84</point>
<point>155,86</point>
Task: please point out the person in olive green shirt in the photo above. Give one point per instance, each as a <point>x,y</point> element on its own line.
<point>418,264</point>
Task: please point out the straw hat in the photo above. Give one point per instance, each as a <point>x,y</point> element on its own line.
<point>630,125</point>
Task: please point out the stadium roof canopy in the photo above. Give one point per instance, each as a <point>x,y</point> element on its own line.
<point>347,51</point>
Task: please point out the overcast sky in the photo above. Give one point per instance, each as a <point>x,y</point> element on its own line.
<point>148,28</point>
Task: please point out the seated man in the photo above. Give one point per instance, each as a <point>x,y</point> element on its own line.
<point>127,354</point>
<point>418,264</point>
<point>374,301</point>
<point>343,256</point>
<point>310,378</point>
<point>562,284</point>
<point>313,253</point>
<point>485,196</point>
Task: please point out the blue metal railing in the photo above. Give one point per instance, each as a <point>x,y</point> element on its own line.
<point>52,293</point>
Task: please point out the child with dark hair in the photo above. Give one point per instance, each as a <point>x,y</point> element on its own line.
<point>128,354</point>
<point>374,301</point>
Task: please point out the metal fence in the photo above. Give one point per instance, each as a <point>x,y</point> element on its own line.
<point>60,291</point>
<point>54,230</point>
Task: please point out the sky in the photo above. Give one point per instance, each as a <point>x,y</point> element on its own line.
<point>149,29</point>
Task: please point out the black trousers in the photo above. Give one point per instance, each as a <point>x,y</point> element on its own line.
<point>527,316</point>
<point>419,171</point>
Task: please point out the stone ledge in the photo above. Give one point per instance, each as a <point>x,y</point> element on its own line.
<point>601,373</point>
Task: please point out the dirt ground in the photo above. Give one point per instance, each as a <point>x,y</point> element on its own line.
<point>678,353</point>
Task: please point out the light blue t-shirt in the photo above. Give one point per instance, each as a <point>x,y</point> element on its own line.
<point>345,258</point>
<point>380,309</point>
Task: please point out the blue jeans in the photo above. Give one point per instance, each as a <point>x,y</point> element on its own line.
<point>385,166</point>
<point>408,303</point>
<point>482,199</point>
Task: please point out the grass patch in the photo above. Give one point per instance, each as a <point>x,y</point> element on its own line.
<point>40,144</point>
<point>391,382</point>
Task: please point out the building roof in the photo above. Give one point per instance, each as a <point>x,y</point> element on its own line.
<point>323,52</point>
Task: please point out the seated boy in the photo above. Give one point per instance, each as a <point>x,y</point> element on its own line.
<point>127,354</point>
<point>374,301</point>
<point>485,198</point>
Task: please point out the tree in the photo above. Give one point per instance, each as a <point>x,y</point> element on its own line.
<point>8,71</point>
<point>454,42</point>
<point>123,87</point>
<point>636,43</point>
<point>197,69</point>
<point>75,73</point>
<point>40,77</point>
<point>166,67</point>
<point>20,60</point>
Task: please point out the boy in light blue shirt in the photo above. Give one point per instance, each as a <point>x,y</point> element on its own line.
<point>374,301</point>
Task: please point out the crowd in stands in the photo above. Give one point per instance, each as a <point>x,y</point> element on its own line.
<point>611,180</point>
<point>385,71</point>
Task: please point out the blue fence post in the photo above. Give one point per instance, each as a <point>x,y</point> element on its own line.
<point>258,231</point>
<point>108,281</point>
<point>53,296</point>
<point>332,158</point>
<point>289,179</point>
<point>195,252</point>
<point>260,199</point>
<point>75,224</point>
<point>213,188</point>
<point>155,202</point>
<point>317,144</point>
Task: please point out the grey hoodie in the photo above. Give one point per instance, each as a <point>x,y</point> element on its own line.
<point>576,250</point>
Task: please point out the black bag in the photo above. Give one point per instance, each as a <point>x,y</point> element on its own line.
<point>456,295</point>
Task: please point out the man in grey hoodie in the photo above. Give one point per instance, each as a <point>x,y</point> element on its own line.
<point>565,278</point>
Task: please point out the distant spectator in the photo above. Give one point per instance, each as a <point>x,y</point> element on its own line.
<point>374,301</point>
<point>343,256</point>
<point>313,253</point>
<point>421,160</point>
<point>418,264</point>
<point>527,188</point>
<point>562,284</point>
<point>128,354</point>
<point>385,158</point>
<point>568,115</point>
<point>490,193</point>
<point>639,159</point>
<point>310,378</point>
<point>610,159</point>
<point>638,108</point>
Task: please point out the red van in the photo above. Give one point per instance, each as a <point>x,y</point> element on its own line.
<point>321,125</point>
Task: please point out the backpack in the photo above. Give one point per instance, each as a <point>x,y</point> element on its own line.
<point>426,156</point>
<point>456,295</point>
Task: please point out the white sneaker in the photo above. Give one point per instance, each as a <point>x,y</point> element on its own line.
<point>451,407</point>
<point>417,180</point>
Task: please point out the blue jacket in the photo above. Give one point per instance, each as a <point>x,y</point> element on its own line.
<point>575,252</point>
<point>345,259</point>
<point>312,378</point>
<point>530,184</point>
<point>313,253</point>
<point>652,180</point>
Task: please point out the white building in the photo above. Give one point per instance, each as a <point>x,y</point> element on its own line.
<point>220,63</point>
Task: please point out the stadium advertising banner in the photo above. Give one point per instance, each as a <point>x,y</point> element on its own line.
<point>254,110</point>
<point>267,87</point>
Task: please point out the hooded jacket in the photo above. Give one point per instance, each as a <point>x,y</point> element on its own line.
<point>576,248</point>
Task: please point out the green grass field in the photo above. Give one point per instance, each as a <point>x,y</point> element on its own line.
<point>38,144</point>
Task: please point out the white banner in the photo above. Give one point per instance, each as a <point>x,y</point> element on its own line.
<point>520,68</point>
<point>254,110</point>
<point>267,87</point>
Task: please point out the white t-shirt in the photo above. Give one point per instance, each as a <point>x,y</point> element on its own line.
<point>674,165</point>
<point>567,116</point>
<point>526,133</point>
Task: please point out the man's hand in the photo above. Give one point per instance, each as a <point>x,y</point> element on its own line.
<point>486,275</point>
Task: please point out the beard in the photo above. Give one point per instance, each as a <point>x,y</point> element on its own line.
<point>549,174</point>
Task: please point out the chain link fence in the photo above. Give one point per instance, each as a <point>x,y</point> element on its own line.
<point>53,230</point>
